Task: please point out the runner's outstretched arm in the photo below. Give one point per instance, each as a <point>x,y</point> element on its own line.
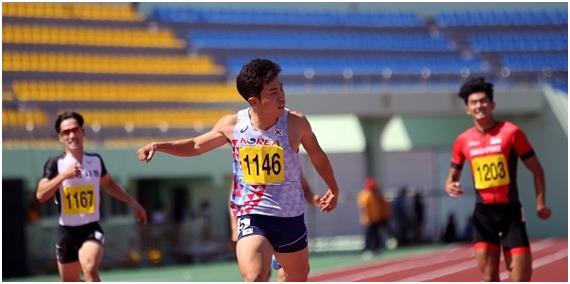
<point>192,146</point>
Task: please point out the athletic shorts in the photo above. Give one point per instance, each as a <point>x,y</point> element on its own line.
<point>71,238</point>
<point>286,234</point>
<point>493,223</point>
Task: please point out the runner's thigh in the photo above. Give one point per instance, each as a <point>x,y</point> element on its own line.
<point>91,254</point>
<point>295,264</point>
<point>254,257</point>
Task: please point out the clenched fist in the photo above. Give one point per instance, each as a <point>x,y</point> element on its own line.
<point>146,153</point>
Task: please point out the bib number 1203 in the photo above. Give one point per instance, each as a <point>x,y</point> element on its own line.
<point>262,164</point>
<point>490,171</point>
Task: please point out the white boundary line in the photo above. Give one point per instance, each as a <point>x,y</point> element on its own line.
<point>537,246</point>
<point>416,262</point>
<point>407,265</point>
<point>399,259</point>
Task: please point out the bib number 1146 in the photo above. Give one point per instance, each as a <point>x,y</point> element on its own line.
<point>262,164</point>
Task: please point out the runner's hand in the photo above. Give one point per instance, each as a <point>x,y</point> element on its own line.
<point>454,189</point>
<point>316,200</point>
<point>328,201</point>
<point>73,171</point>
<point>146,153</point>
<point>140,213</point>
<point>543,212</point>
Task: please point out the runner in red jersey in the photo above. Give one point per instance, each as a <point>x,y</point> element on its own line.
<point>492,148</point>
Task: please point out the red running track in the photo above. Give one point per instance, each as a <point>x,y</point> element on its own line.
<point>453,264</point>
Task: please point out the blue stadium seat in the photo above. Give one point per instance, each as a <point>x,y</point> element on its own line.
<point>312,40</point>
<point>260,17</point>
<point>535,63</point>
<point>501,18</point>
<point>410,65</point>
<point>505,42</point>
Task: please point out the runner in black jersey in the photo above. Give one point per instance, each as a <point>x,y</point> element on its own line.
<point>74,178</point>
<point>492,148</point>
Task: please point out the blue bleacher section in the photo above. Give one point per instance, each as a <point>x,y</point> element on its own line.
<point>501,18</point>
<point>560,85</point>
<point>397,65</point>
<point>532,44</point>
<point>501,42</point>
<point>535,62</point>
<point>256,39</point>
<point>272,17</point>
<point>324,46</point>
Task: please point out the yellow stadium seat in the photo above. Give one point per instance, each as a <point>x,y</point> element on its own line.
<point>109,64</point>
<point>76,11</point>
<point>20,118</point>
<point>70,35</point>
<point>125,92</point>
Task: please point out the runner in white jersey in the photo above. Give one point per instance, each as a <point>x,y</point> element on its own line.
<point>267,198</point>
<point>74,178</point>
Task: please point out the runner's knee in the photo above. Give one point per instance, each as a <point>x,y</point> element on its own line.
<point>254,276</point>
<point>89,266</point>
<point>520,277</point>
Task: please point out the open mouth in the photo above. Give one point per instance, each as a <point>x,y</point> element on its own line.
<point>480,113</point>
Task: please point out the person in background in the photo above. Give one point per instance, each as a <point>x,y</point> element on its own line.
<point>419,211</point>
<point>450,233</point>
<point>401,216</point>
<point>374,215</point>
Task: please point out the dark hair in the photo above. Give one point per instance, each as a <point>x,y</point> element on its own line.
<point>254,75</point>
<point>474,86</point>
<point>66,115</point>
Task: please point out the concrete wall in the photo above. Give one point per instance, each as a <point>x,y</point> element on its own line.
<point>551,146</point>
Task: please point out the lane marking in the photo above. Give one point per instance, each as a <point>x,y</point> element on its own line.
<point>400,260</point>
<point>537,246</point>
<point>376,269</point>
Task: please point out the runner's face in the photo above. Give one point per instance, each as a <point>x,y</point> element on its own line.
<point>71,134</point>
<point>272,96</point>
<point>479,106</point>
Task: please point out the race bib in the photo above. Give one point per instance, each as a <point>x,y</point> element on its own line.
<point>490,171</point>
<point>78,199</point>
<point>262,164</point>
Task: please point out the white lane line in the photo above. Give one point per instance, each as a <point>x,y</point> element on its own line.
<point>538,246</point>
<point>399,260</point>
<point>397,267</point>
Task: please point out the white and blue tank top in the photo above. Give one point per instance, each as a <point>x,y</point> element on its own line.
<point>266,170</point>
